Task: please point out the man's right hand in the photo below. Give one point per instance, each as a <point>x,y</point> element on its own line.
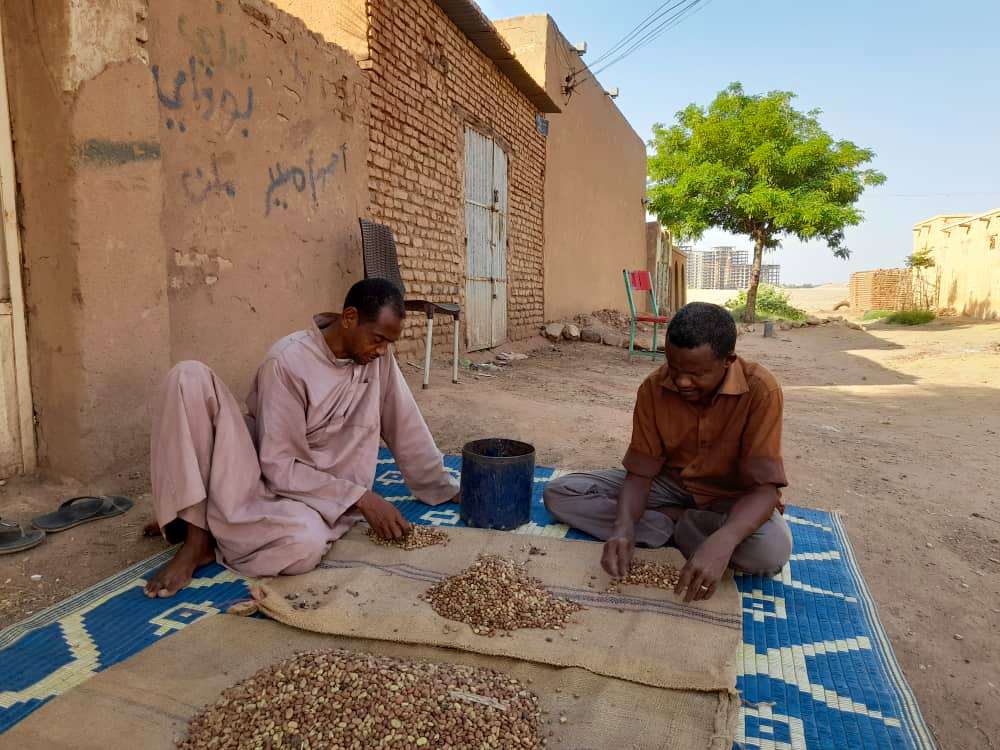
<point>383,516</point>
<point>619,550</point>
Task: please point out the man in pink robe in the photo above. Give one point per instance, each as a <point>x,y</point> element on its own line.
<point>271,499</point>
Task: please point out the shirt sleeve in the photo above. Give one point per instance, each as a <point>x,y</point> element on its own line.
<point>405,432</point>
<point>284,449</point>
<point>760,449</point>
<point>646,453</point>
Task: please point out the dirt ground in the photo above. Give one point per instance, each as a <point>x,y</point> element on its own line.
<point>896,428</point>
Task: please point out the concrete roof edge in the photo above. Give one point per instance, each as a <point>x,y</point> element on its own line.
<point>968,219</point>
<point>940,216</point>
<point>472,22</point>
<point>555,25</point>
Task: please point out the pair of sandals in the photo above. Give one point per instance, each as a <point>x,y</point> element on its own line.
<point>73,512</point>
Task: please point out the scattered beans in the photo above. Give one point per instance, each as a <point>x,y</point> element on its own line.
<point>647,573</point>
<point>419,536</point>
<point>495,593</point>
<point>338,699</point>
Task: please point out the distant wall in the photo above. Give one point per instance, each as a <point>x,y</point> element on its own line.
<point>965,278</point>
<point>886,289</point>
<point>190,179</point>
<point>595,178</point>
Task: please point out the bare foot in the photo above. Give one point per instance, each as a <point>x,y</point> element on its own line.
<point>198,550</point>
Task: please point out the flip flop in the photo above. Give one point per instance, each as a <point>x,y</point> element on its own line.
<point>79,510</point>
<point>15,539</point>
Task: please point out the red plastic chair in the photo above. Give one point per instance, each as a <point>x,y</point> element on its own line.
<point>642,281</point>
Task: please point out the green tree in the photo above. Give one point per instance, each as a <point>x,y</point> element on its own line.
<point>754,165</point>
<point>922,258</point>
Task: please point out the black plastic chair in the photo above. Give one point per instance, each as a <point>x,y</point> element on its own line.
<point>382,262</point>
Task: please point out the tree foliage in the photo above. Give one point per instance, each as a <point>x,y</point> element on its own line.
<point>754,165</point>
<point>922,258</point>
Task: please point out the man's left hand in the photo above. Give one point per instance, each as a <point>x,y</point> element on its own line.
<point>705,568</point>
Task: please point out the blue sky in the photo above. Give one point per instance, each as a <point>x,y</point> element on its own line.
<point>915,81</point>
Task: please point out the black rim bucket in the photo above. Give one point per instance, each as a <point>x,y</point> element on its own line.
<point>497,481</point>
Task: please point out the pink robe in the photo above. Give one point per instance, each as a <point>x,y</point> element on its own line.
<point>277,495</point>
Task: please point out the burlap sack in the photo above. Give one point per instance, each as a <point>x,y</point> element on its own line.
<point>645,635</point>
<point>146,701</point>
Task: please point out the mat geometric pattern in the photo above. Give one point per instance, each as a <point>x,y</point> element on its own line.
<point>818,671</point>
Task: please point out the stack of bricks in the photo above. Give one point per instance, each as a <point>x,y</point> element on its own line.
<point>428,83</point>
<point>887,289</point>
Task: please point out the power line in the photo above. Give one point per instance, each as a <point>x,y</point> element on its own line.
<point>655,33</point>
<point>638,29</point>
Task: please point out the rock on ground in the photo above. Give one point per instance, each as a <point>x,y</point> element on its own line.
<point>553,331</point>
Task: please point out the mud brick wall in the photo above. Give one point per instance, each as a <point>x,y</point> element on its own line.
<point>428,82</point>
<point>887,289</point>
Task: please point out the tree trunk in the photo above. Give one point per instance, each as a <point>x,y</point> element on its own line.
<point>750,312</point>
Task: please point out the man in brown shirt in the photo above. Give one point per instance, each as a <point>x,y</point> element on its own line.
<point>703,468</point>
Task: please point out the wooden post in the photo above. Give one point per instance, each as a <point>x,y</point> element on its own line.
<point>12,250</point>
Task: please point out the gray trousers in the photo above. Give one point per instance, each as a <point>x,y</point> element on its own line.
<point>589,502</point>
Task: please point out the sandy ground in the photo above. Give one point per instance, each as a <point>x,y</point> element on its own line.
<point>818,299</point>
<point>898,429</point>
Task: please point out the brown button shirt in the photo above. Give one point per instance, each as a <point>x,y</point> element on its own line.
<point>718,452</point>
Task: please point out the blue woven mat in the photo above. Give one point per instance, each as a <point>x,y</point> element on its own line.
<point>818,671</point>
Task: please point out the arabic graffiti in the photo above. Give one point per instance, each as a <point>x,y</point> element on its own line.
<point>200,184</point>
<point>213,44</point>
<point>201,98</point>
<point>311,175</point>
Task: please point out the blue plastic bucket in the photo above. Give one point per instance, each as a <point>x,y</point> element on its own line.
<point>497,480</point>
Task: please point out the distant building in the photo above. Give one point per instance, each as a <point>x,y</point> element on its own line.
<point>726,268</point>
<point>965,277</point>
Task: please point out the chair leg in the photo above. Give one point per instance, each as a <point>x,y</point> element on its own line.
<point>653,353</point>
<point>454,376</point>
<point>631,339</point>
<point>427,354</point>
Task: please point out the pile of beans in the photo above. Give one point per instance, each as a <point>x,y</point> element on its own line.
<point>342,700</point>
<point>494,594</point>
<point>419,536</point>
<point>647,573</point>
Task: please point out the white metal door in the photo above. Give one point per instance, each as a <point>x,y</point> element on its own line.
<point>486,242</point>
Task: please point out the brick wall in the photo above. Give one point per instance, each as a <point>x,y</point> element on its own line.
<point>887,289</point>
<point>428,81</point>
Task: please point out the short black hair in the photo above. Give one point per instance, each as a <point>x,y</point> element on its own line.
<point>369,296</point>
<point>700,323</point>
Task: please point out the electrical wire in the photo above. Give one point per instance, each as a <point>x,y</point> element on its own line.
<point>639,28</point>
<point>655,33</point>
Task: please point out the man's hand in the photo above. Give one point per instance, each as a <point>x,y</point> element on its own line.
<point>383,516</point>
<point>619,550</point>
<point>703,571</point>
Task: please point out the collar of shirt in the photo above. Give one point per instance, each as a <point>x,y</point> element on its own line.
<point>319,322</point>
<point>733,384</point>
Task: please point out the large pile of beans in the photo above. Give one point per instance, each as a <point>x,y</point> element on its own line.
<point>342,700</point>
